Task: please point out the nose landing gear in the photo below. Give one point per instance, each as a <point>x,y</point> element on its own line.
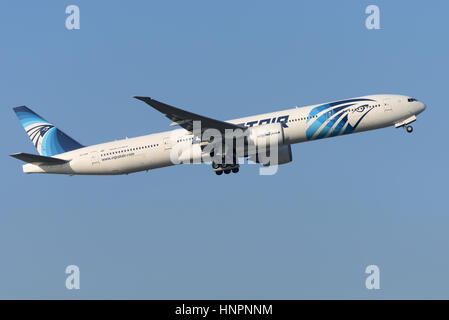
<point>406,124</point>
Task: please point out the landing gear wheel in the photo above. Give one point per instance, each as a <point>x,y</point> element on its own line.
<point>409,129</point>
<point>218,172</point>
<point>215,165</point>
<point>227,171</point>
<point>235,170</point>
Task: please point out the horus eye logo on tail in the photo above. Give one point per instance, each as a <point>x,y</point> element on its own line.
<point>37,133</point>
<point>332,119</point>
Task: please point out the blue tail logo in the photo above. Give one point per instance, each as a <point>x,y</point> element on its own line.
<point>47,139</point>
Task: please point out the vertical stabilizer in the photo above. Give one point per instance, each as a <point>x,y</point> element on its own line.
<point>47,139</point>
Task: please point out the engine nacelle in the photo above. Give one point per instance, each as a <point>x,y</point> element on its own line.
<point>282,156</point>
<point>266,135</point>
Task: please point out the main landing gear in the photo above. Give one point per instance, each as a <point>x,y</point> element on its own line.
<point>226,168</point>
<point>409,129</point>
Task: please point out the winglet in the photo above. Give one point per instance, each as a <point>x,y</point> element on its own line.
<point>144,99</point>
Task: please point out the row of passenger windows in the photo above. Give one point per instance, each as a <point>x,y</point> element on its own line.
<point>300,119</point>
<point>131,149</point>
<point>184,139</point>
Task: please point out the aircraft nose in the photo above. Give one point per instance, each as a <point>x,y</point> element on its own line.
<point>422,107</point>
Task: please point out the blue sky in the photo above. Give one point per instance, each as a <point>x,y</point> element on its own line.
<point>183,232</point>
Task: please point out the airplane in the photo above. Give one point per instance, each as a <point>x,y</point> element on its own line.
<point>60,154</point>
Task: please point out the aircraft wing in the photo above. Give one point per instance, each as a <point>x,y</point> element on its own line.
<point>36,159</point>
<point>185,118</point>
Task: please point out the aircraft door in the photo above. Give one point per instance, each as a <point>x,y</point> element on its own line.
<point>167,143</point>
<point>95,158</point>
<point>387,105</point>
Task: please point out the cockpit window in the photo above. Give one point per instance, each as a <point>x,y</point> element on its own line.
<point>411,99</point>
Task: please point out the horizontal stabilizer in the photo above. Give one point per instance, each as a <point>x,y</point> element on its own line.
<point>36,159</point>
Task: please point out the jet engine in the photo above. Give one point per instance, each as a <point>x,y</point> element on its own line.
<point>267,158</point>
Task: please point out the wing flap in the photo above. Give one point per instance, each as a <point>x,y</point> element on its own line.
<point>36,159</point>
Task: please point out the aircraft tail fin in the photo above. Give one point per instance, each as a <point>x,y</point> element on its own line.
<point>47,139</point>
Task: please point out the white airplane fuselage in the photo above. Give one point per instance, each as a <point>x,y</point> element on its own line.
<point>299,124</point>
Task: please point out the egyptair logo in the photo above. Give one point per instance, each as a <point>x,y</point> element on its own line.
<point>37,133</point>
<point>334,119</point>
